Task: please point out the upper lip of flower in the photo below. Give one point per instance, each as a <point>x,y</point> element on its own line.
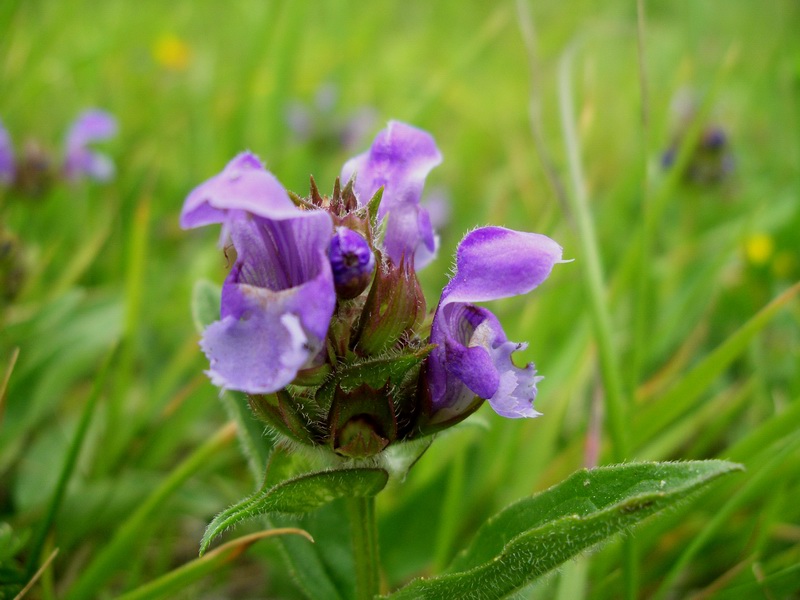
<point>79,160</point>
<point>399,160</point>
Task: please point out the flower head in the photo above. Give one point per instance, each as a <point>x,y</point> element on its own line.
<point>79,160</point>
<point>322,320</point>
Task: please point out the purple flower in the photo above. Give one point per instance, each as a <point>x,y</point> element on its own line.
<point>319,123</point>
<point>473,355</point>
<point>278,298</point>
<point>322,323</point>
<point>79,159</point>
<point>399,159</point>
<point>6,157</point>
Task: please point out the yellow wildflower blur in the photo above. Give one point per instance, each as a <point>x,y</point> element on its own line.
<point>171,52</point>
<point>759,248</point>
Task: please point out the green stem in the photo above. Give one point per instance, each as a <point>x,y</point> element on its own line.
<point>615,401</point>
<point>365,545</point>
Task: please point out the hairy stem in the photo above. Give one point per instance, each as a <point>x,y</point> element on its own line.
<point>365,546</point>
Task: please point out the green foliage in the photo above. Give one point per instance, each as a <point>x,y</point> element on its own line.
<point>299,495</point>
<point>687,323</point>
<point>538,534</point>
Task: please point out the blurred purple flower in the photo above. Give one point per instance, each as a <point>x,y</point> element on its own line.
<point>711,159</point>
<point>278,298</point>
<point>79,160</point>
<point>399,160</point>
<point>318,122</point>
<point>6,157</point>
<point>33,173</point>
<point>473,355</point>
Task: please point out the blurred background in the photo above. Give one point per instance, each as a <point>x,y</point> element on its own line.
<point>682,132</point>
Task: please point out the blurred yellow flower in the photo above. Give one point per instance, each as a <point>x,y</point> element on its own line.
<point>759,248</point>
<point>171,52</point>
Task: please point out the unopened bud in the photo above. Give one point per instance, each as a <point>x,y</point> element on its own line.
<point>352,263</point>
<point>395,305</point>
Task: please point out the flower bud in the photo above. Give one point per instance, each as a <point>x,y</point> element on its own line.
<point>352,263</point>
<point>395,305</point>
<point>12,266</point>
<point>34,175</point>
<point>362,421</point>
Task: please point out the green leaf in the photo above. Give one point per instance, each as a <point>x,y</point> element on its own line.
<point>205,304</point>
<point>176,581</point>
<point>535,535</point>
<point>299,495</point>
<point>375,373</point>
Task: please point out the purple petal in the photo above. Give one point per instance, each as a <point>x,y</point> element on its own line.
<point>79,160</point>
<point>494,263</point>
<point>473,354</point>
<point>399,160</point>
<point>91,126</point>
<point>439,206</point>
<point>277,302</point>
<point>244,185</point>
<point>259,355</point>
<point>6,157</point>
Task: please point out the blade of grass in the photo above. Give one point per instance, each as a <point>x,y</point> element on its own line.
<point>83,257</point>
<point>590,262</point>
<point>447,528</point>
<point>6,378</point>
<point>615,401</point>
<point>723,516</point>
<point>70,461</point>
<point>573,581</point>
<point>108,561</point>
<point>36,576</point>
<point>118,434</point>
<point>661,197</point>
<point>179,579</point>
<point>254,442</point>
<point>641,300</point>
<point>682,396</point>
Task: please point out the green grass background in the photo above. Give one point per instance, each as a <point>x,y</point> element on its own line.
<point>662,333</point>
